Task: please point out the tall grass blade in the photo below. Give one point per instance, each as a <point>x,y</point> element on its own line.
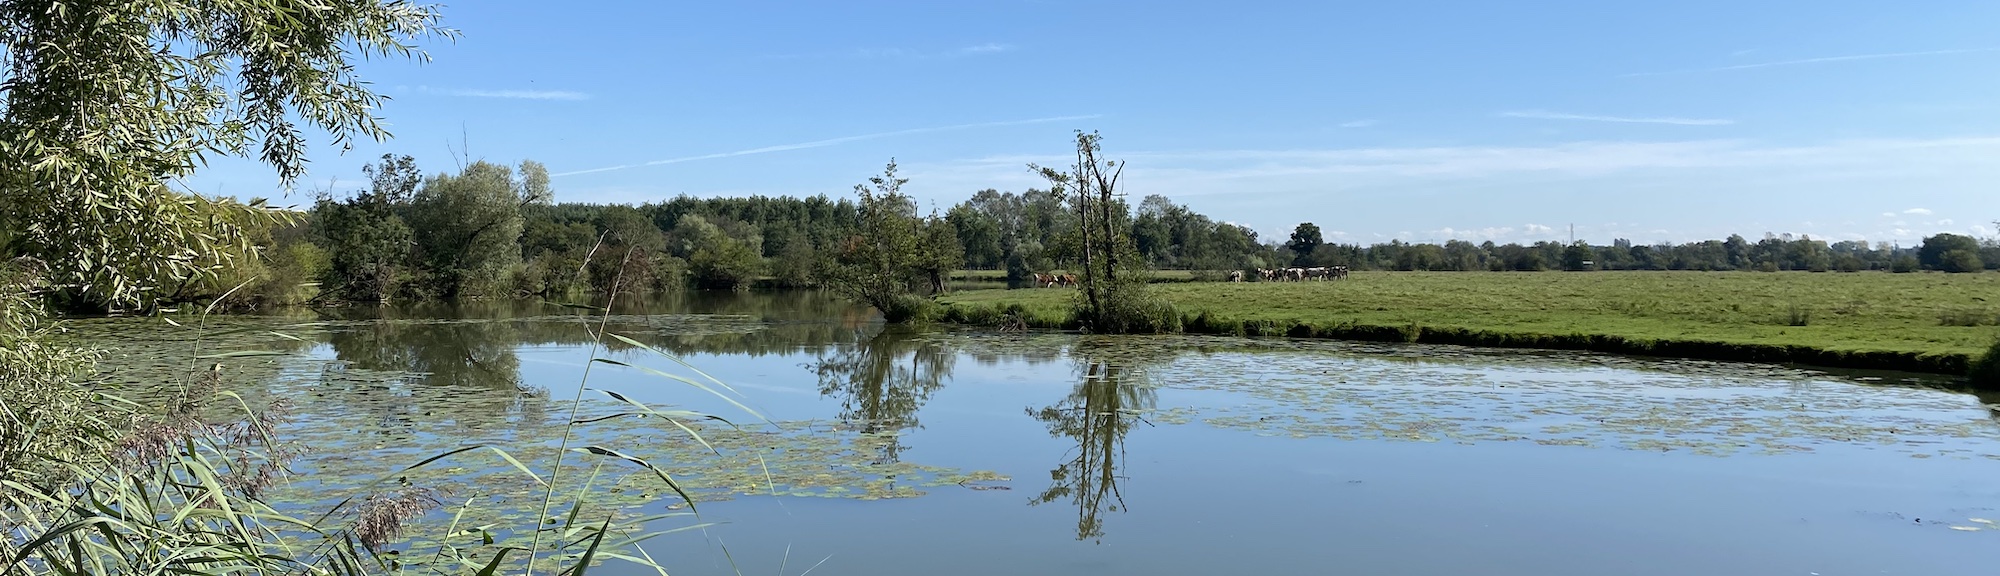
<point>493,566</point>
<point>590,553</point>
<point>677,360</point>
<point>685,380</point>
<point>669,480</point>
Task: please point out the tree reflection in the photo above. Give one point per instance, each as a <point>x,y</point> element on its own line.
<point>882,382</point>
<point>1097,415</point>
<point>472,353</point>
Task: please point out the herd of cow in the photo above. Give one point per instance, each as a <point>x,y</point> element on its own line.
<point>1054,280</point>
<point>1268,274</point>
<point>1295,274</point>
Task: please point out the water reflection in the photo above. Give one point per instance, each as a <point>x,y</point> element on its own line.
<point>684,324</point>
<point>1097,416</point>
<point>883,381</point>
<point>469,354</point>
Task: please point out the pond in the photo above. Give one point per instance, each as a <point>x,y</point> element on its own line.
<point>959,451</point>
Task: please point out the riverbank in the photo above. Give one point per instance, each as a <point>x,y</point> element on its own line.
<point>1936,323</point>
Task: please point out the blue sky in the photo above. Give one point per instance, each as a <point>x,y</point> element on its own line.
<point>1655,121</point>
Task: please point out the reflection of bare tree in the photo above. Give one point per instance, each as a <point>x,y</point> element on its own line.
<point>883,381</point>
<point>1097,415</point>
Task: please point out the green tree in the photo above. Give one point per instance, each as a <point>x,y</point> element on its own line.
<point>367,240</point>
<point>631,253</point>
<point>1904,264</point>
<point>1113,296</point>
<point>1960,260</point>
<point>716,260</point>
<point>108,103</point>
<point>1305,239</point>
<point>881,262</point>
<point>939,253</point>
<point>468,226</point>
<point>978,234</point>
<point>1932,255</point>
<point>1578,256</point>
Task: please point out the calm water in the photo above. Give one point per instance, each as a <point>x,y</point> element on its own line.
<point>972,452</point>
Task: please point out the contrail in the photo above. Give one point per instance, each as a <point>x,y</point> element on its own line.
<point>828,142</point>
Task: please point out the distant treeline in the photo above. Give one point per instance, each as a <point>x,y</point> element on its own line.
<point>491,230</point>
<point>1775,252</point>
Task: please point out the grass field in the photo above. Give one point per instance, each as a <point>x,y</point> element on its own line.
<point>1929,322</point>
<point>1161,276</point>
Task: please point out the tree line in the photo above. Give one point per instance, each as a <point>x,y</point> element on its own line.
<point>1775,252</point>
<point>489,230</point>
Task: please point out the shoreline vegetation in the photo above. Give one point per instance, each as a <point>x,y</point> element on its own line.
<point>1932,323</point>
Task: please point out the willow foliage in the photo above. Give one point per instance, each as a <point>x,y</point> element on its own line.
<point>107,103</point>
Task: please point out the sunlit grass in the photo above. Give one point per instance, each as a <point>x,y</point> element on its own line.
<point>1861,312</point>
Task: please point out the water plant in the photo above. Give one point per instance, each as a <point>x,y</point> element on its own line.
<point>183,486</point>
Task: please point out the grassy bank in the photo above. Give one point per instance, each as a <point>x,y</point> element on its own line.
<point>1919,322</point>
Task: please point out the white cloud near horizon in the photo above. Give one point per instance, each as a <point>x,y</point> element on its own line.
<point>1920,211</point>
<point>829,142</point>
<point>510,94</point>
<point>1547,115</point>
<point>1364,123</point>
<point>1815,61</point>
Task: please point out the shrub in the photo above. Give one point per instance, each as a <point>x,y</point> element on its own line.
<point>726,265</point>
<point>40,405</point>
<point>907,308</point>
<point>1798,316</point>
<point>1128,307</point>
<point>1968,317</point>
<point>1903,264</point>
<point>1960,261</point>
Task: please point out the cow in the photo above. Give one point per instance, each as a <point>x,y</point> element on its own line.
<point>1236,276</point>
<point>1067,279</point>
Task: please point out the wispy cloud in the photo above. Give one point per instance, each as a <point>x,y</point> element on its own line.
<point>1918,211</point>
<point>1262,174</point>
<point>1358,124</point>
<point>830,142</point>
<point>987,48</point>
<point>513,94</point>
<point>1816,61</point>
<point>1546,115</point>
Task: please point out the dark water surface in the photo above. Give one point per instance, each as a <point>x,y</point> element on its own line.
<point>973,452</point>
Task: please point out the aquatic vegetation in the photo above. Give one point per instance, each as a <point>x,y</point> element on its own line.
<point>359,407</point>
<point>1423,393</point>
